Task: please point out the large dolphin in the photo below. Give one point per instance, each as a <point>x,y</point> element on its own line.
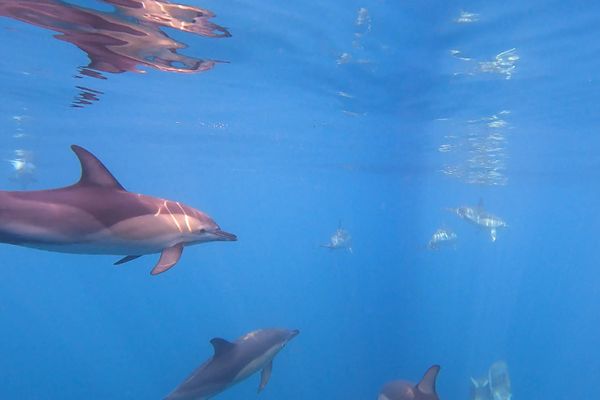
<point>98,216</point>
<point>233,362</point>
<point>403,390</point>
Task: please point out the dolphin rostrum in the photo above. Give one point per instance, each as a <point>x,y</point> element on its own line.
<point>403,390</point>
<point>233,362</point>
<point>98,216</point>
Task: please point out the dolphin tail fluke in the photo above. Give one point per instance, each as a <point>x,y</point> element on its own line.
<point>265,375</point>
<point>479,383</point>
<point>126,260</point>
<point>427,384</point>
<point>168,258</point>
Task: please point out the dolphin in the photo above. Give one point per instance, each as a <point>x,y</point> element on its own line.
<point>341,239</point>
<point>442,237</point>
<point>403,390</point>
<point>98,216</point>
<point>499,381</point>
<point>478,216</point>
<point>233,362</point>
<point>480,389</point>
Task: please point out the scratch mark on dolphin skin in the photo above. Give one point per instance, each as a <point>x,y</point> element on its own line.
<point>185,217</point>
<point>173,217</point>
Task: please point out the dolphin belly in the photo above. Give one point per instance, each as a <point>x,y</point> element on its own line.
<point>257,363</point>
<point>95,247</point>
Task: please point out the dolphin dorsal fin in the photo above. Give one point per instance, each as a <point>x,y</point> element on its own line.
<point>427,384</point>
<point>93,172</point>
<point>221,346</point>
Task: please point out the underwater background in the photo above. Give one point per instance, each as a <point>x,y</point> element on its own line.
<point>281,121</point>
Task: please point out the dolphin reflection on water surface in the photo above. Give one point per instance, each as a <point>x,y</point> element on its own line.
<point>120,41</point>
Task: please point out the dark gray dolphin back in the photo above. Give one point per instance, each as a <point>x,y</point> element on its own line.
<point>427,384</point>
<point>404,390</point>
<point>93,172</point>
<point>229,359</point>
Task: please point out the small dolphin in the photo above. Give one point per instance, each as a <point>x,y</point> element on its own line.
<point>478,216</point>
<point>442,237</point>
<point>341,239</point>
<point>480,389</point>
<point>403,390</point>
<point>233,362</point>
<point>98,216</point>
<point>499,381</point>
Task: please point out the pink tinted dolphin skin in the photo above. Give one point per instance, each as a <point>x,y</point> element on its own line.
<point>233,362</point>
<point>98,216</point>
<point>403,390</point>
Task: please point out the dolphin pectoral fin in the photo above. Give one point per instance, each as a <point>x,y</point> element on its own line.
<point>265,375</point>
<point>493,234</point>
<point>168,258</point>
<point>126,259</point>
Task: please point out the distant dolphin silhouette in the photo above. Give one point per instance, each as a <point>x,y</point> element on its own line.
<point>233,362</point>
<point>480,389</point>
<point>98,216</point>
<point>499,381</point>
<point>479,217</point>
<point>442,237</point>
<point>403,390</point>
<point>341,239</point>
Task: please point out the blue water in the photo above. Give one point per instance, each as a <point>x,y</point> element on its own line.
<point>320,113</point>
